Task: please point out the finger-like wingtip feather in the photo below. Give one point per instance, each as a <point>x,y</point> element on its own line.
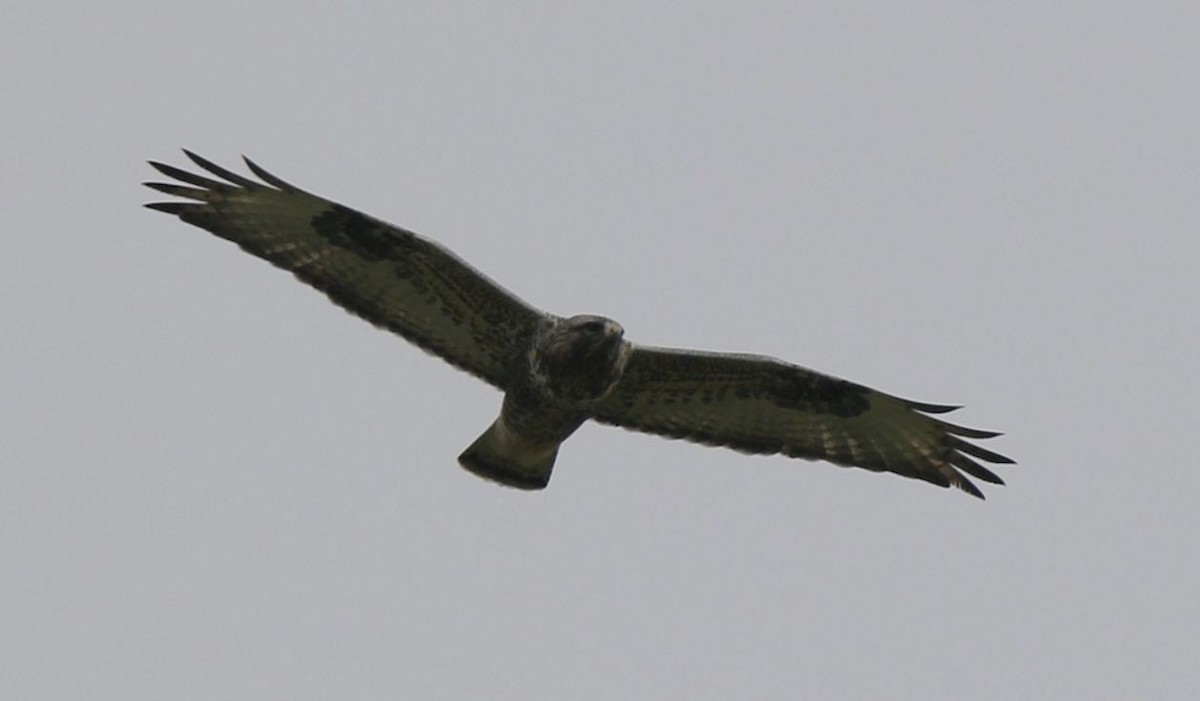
<point>981,453</point>
<point>967,486</point>
<point>190,193</point>
<point>974,469</point>
<point>176,208</point>
<point>220,172</point>
<point>961,452</point>
<point>956,430</point>
<point>189,178</point>
<point>267,177</point>
<point>925,408</point>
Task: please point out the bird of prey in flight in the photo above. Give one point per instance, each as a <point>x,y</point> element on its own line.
<point>557,372</point>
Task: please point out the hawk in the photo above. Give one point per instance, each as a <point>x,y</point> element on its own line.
<point>558,372</point>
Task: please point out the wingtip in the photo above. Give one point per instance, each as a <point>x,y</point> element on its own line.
<point>203,162</point>
<point>161,167</point>
<point>195,157</point>
<point>966,432</point>
<point>267,177</point>
<point>927,408</point>
<point>969,487</point>
<point>254,167</point>
<point>175,208</point>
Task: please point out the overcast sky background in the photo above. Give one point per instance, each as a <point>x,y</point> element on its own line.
<point>215,484</point>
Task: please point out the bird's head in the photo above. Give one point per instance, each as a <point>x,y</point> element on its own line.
<point>582,356</point>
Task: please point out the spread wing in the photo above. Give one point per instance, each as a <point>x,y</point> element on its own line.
<point>757,404</point>
<point>389,276</point>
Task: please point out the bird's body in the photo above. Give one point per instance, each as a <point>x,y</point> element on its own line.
<point>572,365</point>
<point>558,372</point>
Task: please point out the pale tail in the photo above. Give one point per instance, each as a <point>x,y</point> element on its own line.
<point>500,456</point>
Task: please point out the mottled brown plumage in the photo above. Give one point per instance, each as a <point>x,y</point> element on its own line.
<point>558,372</point>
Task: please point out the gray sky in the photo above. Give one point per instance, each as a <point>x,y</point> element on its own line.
<point>215,484</point>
